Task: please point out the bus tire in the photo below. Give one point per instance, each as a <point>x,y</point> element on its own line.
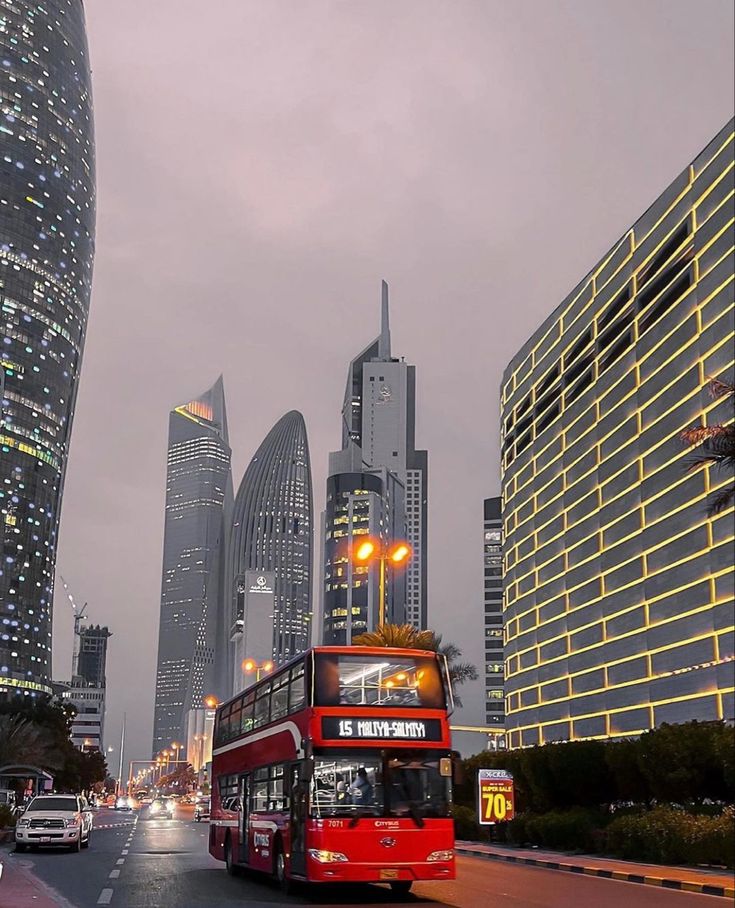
<point>285,884</point>
<point>401,887</point>
<point>231,866</point>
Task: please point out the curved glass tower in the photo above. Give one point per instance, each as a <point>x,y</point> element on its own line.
<point>47,218</point>
<point>270,548</point>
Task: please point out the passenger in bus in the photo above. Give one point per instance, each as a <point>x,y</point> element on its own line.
<point>361,789</point>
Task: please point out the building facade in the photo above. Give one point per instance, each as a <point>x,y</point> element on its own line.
<point>92,659</point>
<point>271,540</point>
<point>47,224</point>
<point>618,584</point>
<point>198,502</point>
<point>88,687</point>
<point>378,439</point>
<point>493,612</point>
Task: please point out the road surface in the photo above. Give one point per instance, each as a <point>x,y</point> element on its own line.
<point>137,862</point>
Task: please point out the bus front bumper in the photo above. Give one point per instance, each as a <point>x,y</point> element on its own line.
<point>384,872</point>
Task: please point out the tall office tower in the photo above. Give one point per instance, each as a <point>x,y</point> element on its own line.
<point>378,437</point>
<point>47,222</point>
<point>268,585</point>
<point>198,499</point>
<point>493,570</point>
<point>92,660</point>
<point>618,584</point>
<point>87,689</point>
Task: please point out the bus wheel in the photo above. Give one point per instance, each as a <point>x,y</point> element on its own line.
<point>279,871</point>
<point>401,887</point>
<point>232,867</point>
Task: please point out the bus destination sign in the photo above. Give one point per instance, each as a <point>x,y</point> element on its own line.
<point>363,729</point>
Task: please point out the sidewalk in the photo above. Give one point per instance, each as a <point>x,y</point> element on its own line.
<point>20,889</point>
<point>689,879</point>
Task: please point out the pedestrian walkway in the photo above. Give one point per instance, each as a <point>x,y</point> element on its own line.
<point>19,888</point>
<point>688,879</point>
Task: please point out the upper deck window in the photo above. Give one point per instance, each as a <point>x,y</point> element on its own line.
<point>390,681</point>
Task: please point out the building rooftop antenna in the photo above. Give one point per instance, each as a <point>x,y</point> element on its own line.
<point>79,616</point>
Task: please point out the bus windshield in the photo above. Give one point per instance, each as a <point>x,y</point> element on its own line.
<point>390,681</point>
<point>399,783</point>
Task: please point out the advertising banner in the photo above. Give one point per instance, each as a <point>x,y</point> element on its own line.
<point>495,796</point>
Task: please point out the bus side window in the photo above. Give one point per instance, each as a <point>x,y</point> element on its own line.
<point>262,705</point>
<point>259,793</point>
<point>297,689</point>
<point>279,698</point>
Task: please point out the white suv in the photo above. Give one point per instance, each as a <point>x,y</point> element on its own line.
<point>60,819</point>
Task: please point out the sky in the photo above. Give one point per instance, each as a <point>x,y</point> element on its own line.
<point>261,166</point>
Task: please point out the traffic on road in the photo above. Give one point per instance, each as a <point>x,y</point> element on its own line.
<point>139,858</point>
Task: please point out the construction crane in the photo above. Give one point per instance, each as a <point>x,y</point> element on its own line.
<point>79,616</point>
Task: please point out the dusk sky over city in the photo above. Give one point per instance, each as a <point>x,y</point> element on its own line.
<point>260,174</point>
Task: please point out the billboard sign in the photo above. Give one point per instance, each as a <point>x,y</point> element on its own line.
<point>495,796</point>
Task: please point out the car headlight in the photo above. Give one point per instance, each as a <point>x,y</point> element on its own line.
<point>440,856</point>
<point>23,821</point>
<point>327,857</point>
<point>73,822</point>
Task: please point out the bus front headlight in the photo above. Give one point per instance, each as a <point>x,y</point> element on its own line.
<point>327,857</point>
<point>440,856</point>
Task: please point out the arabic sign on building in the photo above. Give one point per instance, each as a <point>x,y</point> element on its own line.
<point>495,796</point>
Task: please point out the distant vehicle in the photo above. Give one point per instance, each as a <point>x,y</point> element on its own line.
<point>201,810</point>
<point>123,802</point>
<point>162,807</point>
<point>55,820</point>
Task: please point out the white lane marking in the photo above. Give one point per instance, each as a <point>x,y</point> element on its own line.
<point>120,861</point>
<point>124,851</point>
<point>105,897</point>
<point>114,874</point>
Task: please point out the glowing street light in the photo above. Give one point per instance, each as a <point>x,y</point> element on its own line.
<point>250,665</point>
<point>397,553</point>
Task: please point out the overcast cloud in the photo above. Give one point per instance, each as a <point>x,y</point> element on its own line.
<point>262,165</point>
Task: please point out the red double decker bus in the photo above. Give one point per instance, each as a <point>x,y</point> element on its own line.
<point>338,767</point>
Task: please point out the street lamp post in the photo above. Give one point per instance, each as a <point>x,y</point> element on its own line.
<point>396,553</point>
<point>250,665</point>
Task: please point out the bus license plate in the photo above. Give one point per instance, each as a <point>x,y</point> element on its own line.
<point>388,874</point>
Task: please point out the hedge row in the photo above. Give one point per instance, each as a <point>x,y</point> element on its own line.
<point>663,835</point>
<point>679,764</point>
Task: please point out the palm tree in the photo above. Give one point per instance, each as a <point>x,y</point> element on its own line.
<point>406,636</point>
<point>22,741</point>
<point>715,447</point>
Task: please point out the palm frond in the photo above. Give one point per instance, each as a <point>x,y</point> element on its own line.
<point>721,501</point>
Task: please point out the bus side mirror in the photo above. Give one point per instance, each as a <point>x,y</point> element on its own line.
<point>457,772</point>
<point>305,768</point>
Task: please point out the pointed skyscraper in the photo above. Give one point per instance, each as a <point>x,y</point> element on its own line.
<point>198,497</point>
<point>378,485</point>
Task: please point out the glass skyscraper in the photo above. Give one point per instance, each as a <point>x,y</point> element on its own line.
<point>47,223</point>
<point>618,585</point>
<point>379,444</point>
<point>271,539</point>
<point>198,499</point>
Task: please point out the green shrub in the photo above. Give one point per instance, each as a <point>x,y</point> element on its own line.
<point>517,829</point>
<point>465,823</point>
<point>7,817</point>
<point>666,835</point>
<point>565,830</point>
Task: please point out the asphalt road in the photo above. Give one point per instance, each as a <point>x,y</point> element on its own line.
<point>137,862</point>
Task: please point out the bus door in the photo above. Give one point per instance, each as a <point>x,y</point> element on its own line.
<point>299,790</point>
<point>244,818</point>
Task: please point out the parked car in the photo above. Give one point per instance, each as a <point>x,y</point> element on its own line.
<point>59,819</point>
<point>201,810</point>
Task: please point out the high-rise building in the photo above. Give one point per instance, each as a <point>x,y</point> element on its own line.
<point>618,584</point>
<point>88,687</point>
<point>47,223</point>
<point>92,659</point>
<point>378,440</point>
<point>269,564</point>
<point>493,584</point>
<point>198,499</point>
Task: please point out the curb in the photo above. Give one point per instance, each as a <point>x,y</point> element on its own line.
<point>661,882</point>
